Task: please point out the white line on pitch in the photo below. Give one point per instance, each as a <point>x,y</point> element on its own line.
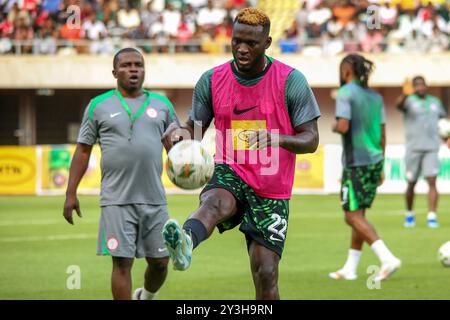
<point>11,223</point>
<point>80,236</point>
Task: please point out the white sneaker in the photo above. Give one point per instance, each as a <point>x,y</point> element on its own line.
<point>137,294</point>
<point>388,269</point>
<point>342,274</point>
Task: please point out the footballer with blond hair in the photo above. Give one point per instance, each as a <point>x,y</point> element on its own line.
<point>262,110</point>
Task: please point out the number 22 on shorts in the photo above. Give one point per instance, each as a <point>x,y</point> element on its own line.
<point>272,228</point>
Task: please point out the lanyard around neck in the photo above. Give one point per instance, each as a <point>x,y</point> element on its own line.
<point>133,118</point>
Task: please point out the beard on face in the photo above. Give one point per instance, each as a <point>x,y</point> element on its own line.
<point>252,65</point>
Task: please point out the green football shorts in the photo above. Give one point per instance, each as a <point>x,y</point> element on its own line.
<point>359,186</point>
<point>261,219</point>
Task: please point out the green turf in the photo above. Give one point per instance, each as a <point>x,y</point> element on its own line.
<point>34,258</point>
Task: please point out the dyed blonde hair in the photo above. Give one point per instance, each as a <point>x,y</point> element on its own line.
<point>253,17</point>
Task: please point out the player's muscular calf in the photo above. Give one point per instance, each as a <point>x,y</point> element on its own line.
<point>264,265</point>
<point>216,205</point>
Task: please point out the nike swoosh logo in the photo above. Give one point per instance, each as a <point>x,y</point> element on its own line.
<point>115,114</point>
<point>241,111</point>
<point>275,239</point>
<point>162,250</point>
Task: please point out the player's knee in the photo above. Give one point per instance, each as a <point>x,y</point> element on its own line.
<point>159,265</point>
<point>350,219</point>
<point>216,206</point>
<point>265,275</point>
<point>411,186</point>
<point>122,265</point>
<point>432,183</point>
<point>122,270</point>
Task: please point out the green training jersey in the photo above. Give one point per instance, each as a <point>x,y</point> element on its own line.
<point>364,109</point>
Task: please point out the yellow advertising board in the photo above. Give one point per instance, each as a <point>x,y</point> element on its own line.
<point>165,179</point>
<point>55,167</point>
<point>17,170</point>
<point>309,170</point>
<point>45,170</point>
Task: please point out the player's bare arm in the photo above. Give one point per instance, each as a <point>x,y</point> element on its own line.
<point>383,138</point>
<point>383,146</point>
<point>407,90</point>
<point>341,126</point>
<point>306,139</point>
<point>400,103</point>
<point>78,167</point>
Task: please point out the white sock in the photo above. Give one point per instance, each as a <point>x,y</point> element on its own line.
<point>409,213</point>
<point>383,253</point>
<point>147,295</point>
<point>431,215</point>
<point>351,265</point>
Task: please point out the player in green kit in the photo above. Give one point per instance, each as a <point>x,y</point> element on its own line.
<point>360,119</point>
<point>421,112</point>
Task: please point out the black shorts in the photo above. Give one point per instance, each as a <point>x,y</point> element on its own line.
<point>261,219</point>
<point>359,186</point>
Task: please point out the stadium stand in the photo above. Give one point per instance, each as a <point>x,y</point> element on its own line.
<point>171,26</point>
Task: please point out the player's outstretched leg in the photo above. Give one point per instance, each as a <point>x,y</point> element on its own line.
<point>179,245</point>
<point>216,205</point>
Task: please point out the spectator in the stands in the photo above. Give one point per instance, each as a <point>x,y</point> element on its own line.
<point>372,42</point>
<point>148,15</point>
<point>23,32</point>
<point>51,6</point>
<point>210,17</point>
<point>388,14</point>
<point>197,4</point>
<point>438,42</point>
<point>128,17</point>
<point>48,36</point>
<point>416,43</point>
<point>171,20</point>
<point>177,5</point>
<point>344,10</point>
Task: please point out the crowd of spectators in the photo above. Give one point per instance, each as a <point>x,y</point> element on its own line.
<point>101,26</point>
<point>332,27</point>
<point>319,27</point>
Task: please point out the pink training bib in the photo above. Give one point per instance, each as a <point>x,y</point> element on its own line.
<point>240,111</point>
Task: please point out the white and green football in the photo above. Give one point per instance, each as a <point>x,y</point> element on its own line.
<point>444,254</point>
<point>444,128</point>
<point>189,165</point>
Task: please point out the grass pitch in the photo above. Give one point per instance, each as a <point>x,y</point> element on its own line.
<point>38,246</point>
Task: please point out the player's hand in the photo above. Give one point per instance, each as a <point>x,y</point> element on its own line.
<point>381,181</point>
<point>262,139</point>
<point>71,204</point>
<point>173,134</point>
<point>408,88</point>
<point>448,143</point>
